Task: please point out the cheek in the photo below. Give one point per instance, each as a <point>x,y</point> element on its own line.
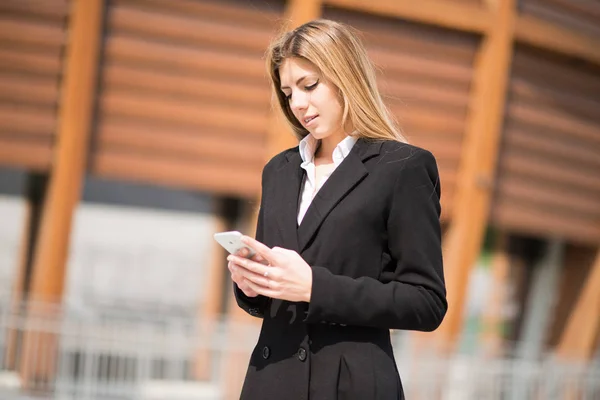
<point>334,111</point>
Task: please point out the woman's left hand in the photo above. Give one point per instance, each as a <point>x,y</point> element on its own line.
<point>288,277</point>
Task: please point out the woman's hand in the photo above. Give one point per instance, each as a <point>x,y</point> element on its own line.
<point>239,278</point>
<point>286,276</point>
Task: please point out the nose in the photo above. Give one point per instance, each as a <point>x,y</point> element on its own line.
<point>298,102</point>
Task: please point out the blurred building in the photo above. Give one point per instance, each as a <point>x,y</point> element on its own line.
<point>132,130</point>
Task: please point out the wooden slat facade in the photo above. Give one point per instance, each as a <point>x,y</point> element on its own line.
<point>183,96</point>
<point>548,180</point>
<point>425,76</point>
<point>32,42</point>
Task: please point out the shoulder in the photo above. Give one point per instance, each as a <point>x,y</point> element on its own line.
<point>399,156</point>
<point>279,160</point>
<point>410,167</point>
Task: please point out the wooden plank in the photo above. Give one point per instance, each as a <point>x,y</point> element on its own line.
<point>211,176</point>
<point>56,9</point>
<point>590,8</point>
<point>27,120</point>
<point>579,337</point>
<point>191,85</point>
<point>422,119</point>
<point>163,109</point>
<point>550,195</point>
<point>556,71</point>
<point>393,34</point>
<point>76,111</point>
<point>36,156</point>
<point>544,169</point>
<point>409,92</point>
<point>430,42</point>
<point>476,174</point>
<point>40,91</point>
<point>557,120</point>
<point>197,30</point>
<point>122,49</point>
<point>453,15</point>
<point>279,133</point>
<point>401,64</point>
<point>31,33</point>
<point>552,98</point>
<point>544,10</point>
<point>530,219</point>
<point>16,60</point>
<point>244,13</point>
<point>522,138</point>
<point>203,146</point>
<point>550,36</point>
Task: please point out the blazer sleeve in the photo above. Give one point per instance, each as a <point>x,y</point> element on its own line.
<point>254,306</point>
<point>412,294</point>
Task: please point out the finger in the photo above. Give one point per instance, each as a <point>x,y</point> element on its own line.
<point>260,248</point>
<point>246,289</point>
<point>249,265</point>
<point>265,291</point>
<point>249,276</point>
<point>259,258</point>
<point>243,252</point>
<point>232,268</point>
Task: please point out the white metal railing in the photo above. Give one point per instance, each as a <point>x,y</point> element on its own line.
<point>45,353</point>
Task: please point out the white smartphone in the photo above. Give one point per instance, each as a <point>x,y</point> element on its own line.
<point>232,242</point>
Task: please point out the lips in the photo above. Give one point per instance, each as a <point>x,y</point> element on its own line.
<point>308,120</point>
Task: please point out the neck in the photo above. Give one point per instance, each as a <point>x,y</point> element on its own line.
<point>327,145</point>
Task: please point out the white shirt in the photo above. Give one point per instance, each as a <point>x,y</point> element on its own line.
<point>308,146</point>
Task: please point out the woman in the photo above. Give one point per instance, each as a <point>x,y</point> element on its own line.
<point>348,236</point>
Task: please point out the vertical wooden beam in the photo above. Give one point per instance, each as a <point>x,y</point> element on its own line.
<point>279,135</point>
<point>464,238</point>
<point>46,286</point>
<point>75,119</point>
<point>578,339</point>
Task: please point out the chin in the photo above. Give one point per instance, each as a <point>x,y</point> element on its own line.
<point>319,134</point>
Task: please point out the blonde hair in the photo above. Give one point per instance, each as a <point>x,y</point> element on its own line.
<point>341,57</point>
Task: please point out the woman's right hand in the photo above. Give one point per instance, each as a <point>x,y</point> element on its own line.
<point>239,280</point>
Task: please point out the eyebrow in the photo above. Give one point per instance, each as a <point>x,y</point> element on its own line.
<point>297,82</point>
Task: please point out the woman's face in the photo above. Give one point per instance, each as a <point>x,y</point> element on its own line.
<point>313,99</point>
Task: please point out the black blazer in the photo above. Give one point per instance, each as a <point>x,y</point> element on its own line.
<point>372,237</point>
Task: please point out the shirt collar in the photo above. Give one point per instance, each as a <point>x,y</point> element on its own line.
<point>309,145</point>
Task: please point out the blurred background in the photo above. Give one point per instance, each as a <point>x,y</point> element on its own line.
<point>132,130</point>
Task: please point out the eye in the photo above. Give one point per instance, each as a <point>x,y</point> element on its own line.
<point>288,97</point>
<point>311,87</point>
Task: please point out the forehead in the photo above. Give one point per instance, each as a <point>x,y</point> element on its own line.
<point>293,69</point>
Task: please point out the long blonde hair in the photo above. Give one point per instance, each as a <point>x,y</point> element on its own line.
<point>341,57</point>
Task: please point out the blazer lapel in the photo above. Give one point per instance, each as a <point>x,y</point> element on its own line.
<point>345,178</point>
<point>289,180</point>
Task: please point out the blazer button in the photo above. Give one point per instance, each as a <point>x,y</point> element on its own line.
<point>266,352</point>
<point>301,354</point>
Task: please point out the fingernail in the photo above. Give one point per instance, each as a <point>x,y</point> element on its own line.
<point>229,258</point>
